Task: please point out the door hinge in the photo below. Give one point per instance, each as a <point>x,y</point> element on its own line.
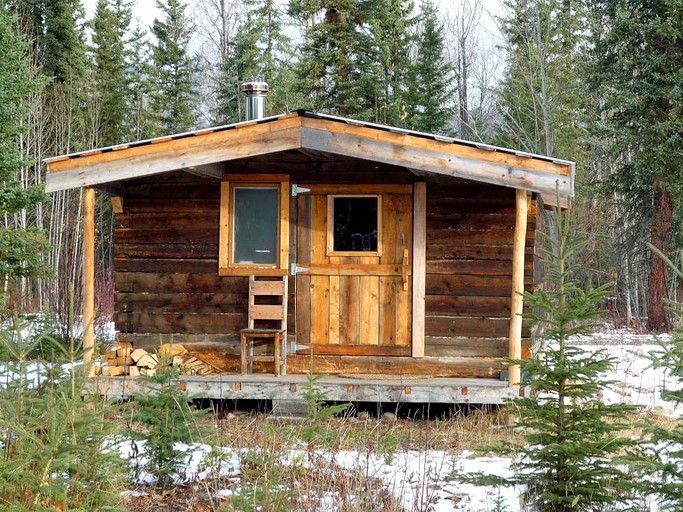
<point>296,190</point>
<point>294,269</point>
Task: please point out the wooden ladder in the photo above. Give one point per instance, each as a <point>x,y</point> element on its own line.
<point>267,302</point>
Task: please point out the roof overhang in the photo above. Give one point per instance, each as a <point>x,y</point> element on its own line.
<point>199,151</point>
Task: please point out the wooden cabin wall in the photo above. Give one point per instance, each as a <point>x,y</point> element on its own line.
<point>166,262</point>
<point>166,267</point>
<point>469,269</point>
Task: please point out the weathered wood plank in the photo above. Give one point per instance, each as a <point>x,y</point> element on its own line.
<point>320,285</point>
<point>349,329</point>
<point>369,307</point>
<point>223,343</point>
<point>178,219</point>
<point>166,266</point>
<point>388,286</point>
<point>353,269</point>
<point>474,267</point>
<point>475,223</point>
<point>366,188</point>
<point>441,236</point>
<point>335,320</point>
<point>394,366</point>
<point>468,326</point>
<point>472,252</point>
<point>303,282</point>
<point>403,248</point>
<point>419,268</point>
<point>345,139</point>
<point>178,308</point>
<point>162,205</point>
<point>182,298</point>
<point>159,282</point>
<point>320,301</point>
<point>468,305</point>
<point>166,235</point>
<point>201,189</point>
<point>461,285</point>
<point>167,251</point>
<point>469,346</point>
<point>355,350</point>
<point>169,323</point>
<point>174,154</point>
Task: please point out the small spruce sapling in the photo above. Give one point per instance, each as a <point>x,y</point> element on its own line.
<point>164,418</point>
<point>568,461</point>
<point>666,441</point>
<point>58,441</point>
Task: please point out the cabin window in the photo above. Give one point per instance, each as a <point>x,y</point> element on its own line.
<point>254,233</point>
<point>354,225</point>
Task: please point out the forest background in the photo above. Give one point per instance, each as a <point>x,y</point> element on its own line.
<point>599,82</point>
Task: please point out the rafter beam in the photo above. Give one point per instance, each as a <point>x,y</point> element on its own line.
<point>211,171</point>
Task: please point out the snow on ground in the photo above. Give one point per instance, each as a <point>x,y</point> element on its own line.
<point>424,480</point>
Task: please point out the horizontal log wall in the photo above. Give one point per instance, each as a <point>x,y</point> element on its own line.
<point>166,256</point>
<point>166,261</point>
<point>469,269</point>
<point>166,267</point>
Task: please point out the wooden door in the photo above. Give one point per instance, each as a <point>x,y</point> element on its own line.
<point>353,291</point>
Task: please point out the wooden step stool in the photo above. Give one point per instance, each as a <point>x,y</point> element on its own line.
<point>266,287</point>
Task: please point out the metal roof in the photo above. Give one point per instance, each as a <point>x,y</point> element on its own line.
<point>306,113</point>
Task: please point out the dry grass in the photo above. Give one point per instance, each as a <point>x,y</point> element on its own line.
<point>286,465</point>
<point>314,479</point>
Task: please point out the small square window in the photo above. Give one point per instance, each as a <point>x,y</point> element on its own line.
<point>354,225</point>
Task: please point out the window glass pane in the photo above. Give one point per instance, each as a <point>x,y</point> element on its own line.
<point>256,220</point>
<point>355,224</point>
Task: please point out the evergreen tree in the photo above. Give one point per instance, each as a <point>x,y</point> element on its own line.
<point>110,25</point>
<point>665,441</point>
<point>429,94</point>
<point>393,32</point>
<point>338,67</point>
<point>140,123</point>
<point>567,461</point>
<point>173,99</point>
<point>263,53</point>
<point>63,48</point>
<point>21,250</point>
<point>636,68</point>
<point>228,105</point>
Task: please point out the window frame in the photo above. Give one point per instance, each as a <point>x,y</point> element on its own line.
<point>226,265</point>
<point>330,226</point>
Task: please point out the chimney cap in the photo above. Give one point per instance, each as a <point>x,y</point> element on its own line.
<point>254,87</point>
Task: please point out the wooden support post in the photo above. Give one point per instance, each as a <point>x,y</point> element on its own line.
<point>88,274</point>
<point>517,301</point>
<point>419,267</point>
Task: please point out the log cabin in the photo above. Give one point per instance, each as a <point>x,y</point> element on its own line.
<point>404,253</point>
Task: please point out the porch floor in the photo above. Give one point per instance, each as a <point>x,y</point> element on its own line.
<point>359,388</point>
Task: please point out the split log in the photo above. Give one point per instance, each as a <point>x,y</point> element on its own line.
<point>123,359</point>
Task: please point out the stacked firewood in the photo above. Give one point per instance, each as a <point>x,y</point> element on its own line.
<point>123,359</point>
